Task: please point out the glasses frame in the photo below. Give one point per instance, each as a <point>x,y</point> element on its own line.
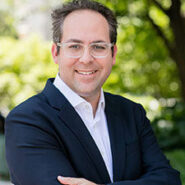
<point>62,44</point>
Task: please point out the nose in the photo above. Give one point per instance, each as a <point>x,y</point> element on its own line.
<point>86,56</point>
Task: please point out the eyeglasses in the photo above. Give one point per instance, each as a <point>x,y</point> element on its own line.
<point>76,50</point>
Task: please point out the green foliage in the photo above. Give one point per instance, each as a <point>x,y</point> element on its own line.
<point>143,68</point>
<point>24,67</point>
<point>177,160</point>
<point>7,19</point>
<point>169,125</point>
<point>6,25</point>
<point>143,63</point>
<point>4,174</point>
<point>143,72</point>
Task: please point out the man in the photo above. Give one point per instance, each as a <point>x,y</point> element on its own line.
<point>74,133</point>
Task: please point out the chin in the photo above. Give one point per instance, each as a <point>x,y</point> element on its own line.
<point>85,94</point>
<point>89,94</point>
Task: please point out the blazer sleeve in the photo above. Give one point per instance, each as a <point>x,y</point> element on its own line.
<point>156,168</point>
<point>34,157</point>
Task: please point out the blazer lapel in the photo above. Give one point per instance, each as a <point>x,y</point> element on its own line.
<point>116,128</point>
<point>73,121</point>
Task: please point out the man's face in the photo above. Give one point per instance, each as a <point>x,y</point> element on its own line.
<point>84,75</point>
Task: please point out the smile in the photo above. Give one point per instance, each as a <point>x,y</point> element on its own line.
<point>86,72</point>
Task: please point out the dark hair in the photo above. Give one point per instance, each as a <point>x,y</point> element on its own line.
<point>59,14</point>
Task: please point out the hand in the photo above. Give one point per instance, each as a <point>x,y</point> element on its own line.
<point>74,181</point>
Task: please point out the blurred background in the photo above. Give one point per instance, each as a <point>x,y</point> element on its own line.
<point>150,65</point>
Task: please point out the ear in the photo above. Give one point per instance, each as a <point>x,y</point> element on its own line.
<point>114,54</point>
<point>54,53</point>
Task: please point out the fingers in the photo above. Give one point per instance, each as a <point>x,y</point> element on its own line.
<point>74,181</point>
<point>70,180</point>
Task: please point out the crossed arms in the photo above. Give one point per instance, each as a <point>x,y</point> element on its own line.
<point>37,156</point>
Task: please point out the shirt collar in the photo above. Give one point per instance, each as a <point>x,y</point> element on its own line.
<point>101,103</point>
<point>73,97</point>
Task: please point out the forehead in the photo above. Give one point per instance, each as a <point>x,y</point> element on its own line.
<point>85,25</point>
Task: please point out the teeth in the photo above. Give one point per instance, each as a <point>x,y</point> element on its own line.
<point>86,73</point>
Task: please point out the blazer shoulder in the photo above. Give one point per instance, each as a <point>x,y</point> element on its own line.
<point>122,106</point>
<point>120,100</point>
<point>28,107</point>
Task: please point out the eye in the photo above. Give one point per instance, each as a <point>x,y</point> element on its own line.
<point>75,46</point>
<point>99,47</point>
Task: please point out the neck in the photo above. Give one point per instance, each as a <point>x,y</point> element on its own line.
<point>94,102</point>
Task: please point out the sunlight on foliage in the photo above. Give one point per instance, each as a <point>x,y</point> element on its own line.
<point>160,18</point>
<point>25,66</point>
<point>165,3</point>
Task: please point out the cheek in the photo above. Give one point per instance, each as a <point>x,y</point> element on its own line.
<point>66,68</point>
<point>107,65</point>
<point>66,63</point>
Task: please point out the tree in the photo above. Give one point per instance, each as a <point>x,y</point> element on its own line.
<point>6,25</point>
<point>7,20</point>
<point>164,23</point>
<point>176,46</point>
<point>24,68</point>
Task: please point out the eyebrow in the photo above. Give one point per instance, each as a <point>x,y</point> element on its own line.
<point>98,41</point>
<point>74,40</point>
<point>80,41</point>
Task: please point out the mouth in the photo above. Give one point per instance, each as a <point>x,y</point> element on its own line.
<point>86,72</point>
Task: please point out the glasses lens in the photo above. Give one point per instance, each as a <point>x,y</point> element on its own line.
<point>73,49</point>
<point>99,49</point>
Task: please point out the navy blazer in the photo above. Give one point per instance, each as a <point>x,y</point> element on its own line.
<point>45,137</point>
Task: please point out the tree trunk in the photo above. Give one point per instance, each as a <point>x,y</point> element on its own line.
<point>181,67</point>
<point>178,49</point>
<point>180,61</point>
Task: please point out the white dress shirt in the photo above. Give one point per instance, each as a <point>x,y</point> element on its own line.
<point>97,126</point>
